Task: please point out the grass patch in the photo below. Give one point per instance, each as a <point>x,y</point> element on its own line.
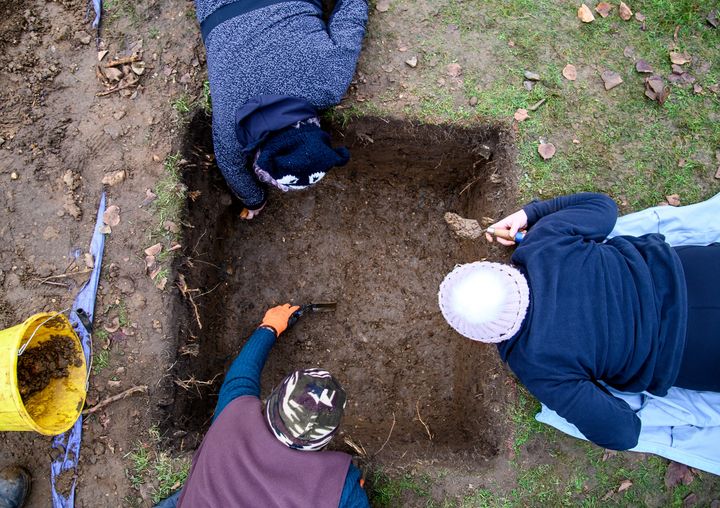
<point>386,491</point>
<point>522,415</point>
<point>182,105</point>
<point>167,474</point>
<point>170,201</point>
<point>205,99</point>
<point>100,361</point>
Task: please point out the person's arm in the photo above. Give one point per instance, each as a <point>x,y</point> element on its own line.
<point>346,26</point>
<point>602,418</point>
<point>353,494</point>
<point>590,215</point>
<point>243,377</point>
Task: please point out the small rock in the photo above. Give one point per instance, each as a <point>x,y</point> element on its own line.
<point>473,101</point>
<point>529,85</point>
<point>690,500</point>
<point>412,62</point>
<point>14,175</point>
<point>114,178</point>
<point>118,115</point>
<point>532,76</point>
<point>114,384</point>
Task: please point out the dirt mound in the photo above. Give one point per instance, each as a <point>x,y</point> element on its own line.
<point>49,360</point>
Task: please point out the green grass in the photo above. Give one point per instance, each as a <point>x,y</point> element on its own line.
<point>165,473</point>
<point>101,361</point>
<point>387,491</point>
<point>522,415</point>
<point>170,201</point>
<point>182,104</point>
<point>205,99</point>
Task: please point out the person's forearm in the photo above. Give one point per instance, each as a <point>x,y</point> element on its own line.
<point>535,210</point>
<point>347,24</point>
<point>243,377</point>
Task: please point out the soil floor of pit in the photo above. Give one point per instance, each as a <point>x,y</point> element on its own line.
<point>370,237</point>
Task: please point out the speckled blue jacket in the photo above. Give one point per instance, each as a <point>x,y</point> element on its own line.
<point>284,48</point>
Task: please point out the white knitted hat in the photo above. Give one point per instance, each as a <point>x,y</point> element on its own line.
<point>484,301</point>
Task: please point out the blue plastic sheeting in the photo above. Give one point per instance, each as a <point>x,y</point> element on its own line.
<point>683,426</point>
<point>66,447</point>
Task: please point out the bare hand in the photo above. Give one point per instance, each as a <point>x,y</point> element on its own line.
<point>512,224</point>
<point>248,214</point>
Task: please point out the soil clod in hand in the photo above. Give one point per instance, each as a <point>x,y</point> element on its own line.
<point>49,360</point>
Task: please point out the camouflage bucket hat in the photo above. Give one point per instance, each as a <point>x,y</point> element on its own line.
<point>305,410</point>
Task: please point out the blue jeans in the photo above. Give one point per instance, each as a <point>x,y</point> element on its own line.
<point>170,502</point>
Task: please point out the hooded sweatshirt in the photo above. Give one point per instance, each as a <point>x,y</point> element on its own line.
<point>610,313</point>
<point>274,48</point>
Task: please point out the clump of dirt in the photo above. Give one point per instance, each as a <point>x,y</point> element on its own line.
<point>371,236</point>
<point>49,360</point>
<point>64,482</point>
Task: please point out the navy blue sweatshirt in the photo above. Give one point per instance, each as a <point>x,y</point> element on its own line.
<point>611,312</point>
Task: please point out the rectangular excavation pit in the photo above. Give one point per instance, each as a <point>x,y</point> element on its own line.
<point>371,237</point>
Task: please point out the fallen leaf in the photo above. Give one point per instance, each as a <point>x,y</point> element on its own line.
<point>677,69</point>
<point>412,62</point>
<point>640,17</point>
<point>171,227</point>
<point>150,263</point>
<point>608,494</point>
<point>681,163</point>
<point>690,500</point>
<point>717,173</point>
<point>603,8</point>
<point>546,150</point>
<point>112,74</point>
<point>585,14</point>
<point>113,326</point>
<point>382,5</point>
<point>175,246</point>
<point>473,101</point>
<point>673,200</point>
<point>150,196</point>
<point>521,115</point>
<point>114,178</point>
<point>680,58</point>
<point>697,89</point>
<point>111,217</point>
<point>102,54</point>
<point>453,70</point>
<point>154,250</point>
<point>89,260</point>
<point>643,67</point>
<point>105,230</point>
<point>532,76</point>
<point>712,18</point>
<point>160,284</point>
<point>624,485</point>
<point>655,83</point>
<point>138,67</point>
<point>611,79</point>
<point>677,473</point>
<point>570,72</point>
<point>194,195</point>
<point>624,11</point>
<point>629,52</point>
<point>529,85</point>
<point>608,454</point>
<point>576,141</point>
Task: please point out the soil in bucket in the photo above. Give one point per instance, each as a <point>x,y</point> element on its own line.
<point>49,360</point>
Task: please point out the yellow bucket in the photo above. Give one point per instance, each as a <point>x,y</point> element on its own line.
<point>55,408</point>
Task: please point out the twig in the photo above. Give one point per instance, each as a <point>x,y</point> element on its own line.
<point>115,398</point>
<point>210,291</point>
<point>63,275</point>
<point>388,437</point>
<point>470,185</point>
<point>535,106</point>
<point>116,89</point>
<point>124,60</point>
<point>359,448</point>
<point>50,283</point>
<point>427,429</point>
<point>187,293</point>
<point>187,383</point>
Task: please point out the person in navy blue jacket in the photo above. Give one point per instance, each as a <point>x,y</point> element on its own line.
<point>272,65</point>
<point>575,313</point>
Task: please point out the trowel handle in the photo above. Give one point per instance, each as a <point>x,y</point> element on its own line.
<point>297,315</point>
<point>505,234</point>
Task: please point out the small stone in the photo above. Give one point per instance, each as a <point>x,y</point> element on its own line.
<point>14,175</point>
<point>114,384</point>
<point>473,101</point>
<point>532,76</point>
<point>529,85</point>
<point>412,62</point>
<point>118,115</point>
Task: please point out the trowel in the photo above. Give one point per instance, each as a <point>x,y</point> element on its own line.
<point>311,307</point>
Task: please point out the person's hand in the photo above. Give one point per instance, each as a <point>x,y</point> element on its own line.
<point>277,317</point>
<point>512,224</point>
<point>248,214</point>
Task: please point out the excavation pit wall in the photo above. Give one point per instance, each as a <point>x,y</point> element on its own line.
<point>371,237</point>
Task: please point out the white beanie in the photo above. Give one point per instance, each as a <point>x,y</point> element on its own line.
<point>484,301</point>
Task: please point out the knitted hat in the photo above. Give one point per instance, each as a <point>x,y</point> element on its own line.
<point>484,301</point>
<point>297,156</point>
<point>305,410</point>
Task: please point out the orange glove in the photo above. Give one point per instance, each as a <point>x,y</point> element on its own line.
<point>277,317</point>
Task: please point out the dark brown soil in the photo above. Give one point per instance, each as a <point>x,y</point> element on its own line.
<point>371,237</point>
<point>44,362</point>
<point>64,482</point>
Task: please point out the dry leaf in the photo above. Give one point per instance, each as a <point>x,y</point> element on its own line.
<point>717,173</point>
<point>412,62</point>
<point>570,72</point>
<point>149,263</point>
<point>643,67</point>
<point>603,8</point>
<point>521,115</point>
<point>611,79</point>
<point>114,178</point>
<point>690,500</point>
<point>624,11</point>
<point>138,67</point>
<point>113,326</point>
<point>673,200</point>
<point>532,76</point>
<point>171,227</point>
<point>112,74</point>
<point>546,150</point>
<point>111,217</point>
<point>624,485</point>
<point>676,474</point>
<point>89,260</point>
<point>697,89</point>
<point>382,5</point>
<point>677,69</point>
<point>712,18</point>
<point>105,230</point>
<point>102,54</point>
<point>454,70</point>
<point>585,14</point>
<point>150,196</point>
<point>160,284</point>
<point>639,16</point>
<point>629,52</point>
<point>154,250</point>
<point>680,58</point>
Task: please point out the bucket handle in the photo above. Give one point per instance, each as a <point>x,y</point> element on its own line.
<point>27,342</point>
